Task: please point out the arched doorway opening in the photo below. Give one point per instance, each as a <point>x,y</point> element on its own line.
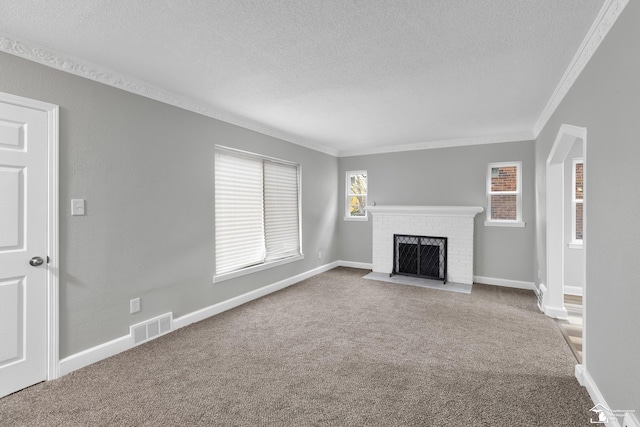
<point>569,141</point>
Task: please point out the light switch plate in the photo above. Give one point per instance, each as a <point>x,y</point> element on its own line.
<point>77,206</point>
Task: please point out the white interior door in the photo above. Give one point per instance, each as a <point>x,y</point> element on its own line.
<point>23,242</point>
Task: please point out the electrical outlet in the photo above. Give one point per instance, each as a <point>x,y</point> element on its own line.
<point>319,254</point>
<point>134,305</point>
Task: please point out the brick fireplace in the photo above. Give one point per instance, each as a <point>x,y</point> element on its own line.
<point>453,222</point>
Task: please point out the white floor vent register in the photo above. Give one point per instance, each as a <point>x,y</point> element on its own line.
<point>152,328</point>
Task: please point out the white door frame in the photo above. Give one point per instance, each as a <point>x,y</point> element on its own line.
<point>553,297</point>
<point>53,365</point>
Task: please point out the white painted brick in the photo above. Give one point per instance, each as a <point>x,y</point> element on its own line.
<point>458,230</point>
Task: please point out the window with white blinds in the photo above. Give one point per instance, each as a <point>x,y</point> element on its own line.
<point>257,212</point>
<point>281,222</point>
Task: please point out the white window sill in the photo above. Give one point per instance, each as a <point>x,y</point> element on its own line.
<point>255,268</point>
<point>575,245</point>
<point>504,224</point>
<point>356,218</point>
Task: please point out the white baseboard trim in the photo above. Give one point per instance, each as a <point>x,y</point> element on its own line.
<point>584,378</point>
<point>579,373</point>
<point>220,307</point>
<point>504,282</point>
<point>118,345</point>
<point>353,264</point>
<point>573,290</point>
<point>555,312</point>
<point>95,354</point>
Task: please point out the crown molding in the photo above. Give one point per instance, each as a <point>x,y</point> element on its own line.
<point>51,58</point>
<point>445,143</point>
<point>607,16</point>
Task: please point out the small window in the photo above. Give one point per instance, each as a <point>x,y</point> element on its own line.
<point>577,200</point>
<point>356,195</point>
<point>257,212</point>
<point>504,194</point>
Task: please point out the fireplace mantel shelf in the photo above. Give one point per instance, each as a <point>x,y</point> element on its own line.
<point>466,211</point>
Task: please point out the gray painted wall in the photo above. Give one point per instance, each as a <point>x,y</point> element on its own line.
<point>606,100</point>
<point>447,176</point>
<point>146,170</point>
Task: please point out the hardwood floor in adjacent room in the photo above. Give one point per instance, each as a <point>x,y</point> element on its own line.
<point>572,327</point>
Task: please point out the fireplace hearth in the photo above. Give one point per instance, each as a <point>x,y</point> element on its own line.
<point>420,256</point>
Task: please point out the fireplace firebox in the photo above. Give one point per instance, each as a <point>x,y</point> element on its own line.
<point>420,256</point>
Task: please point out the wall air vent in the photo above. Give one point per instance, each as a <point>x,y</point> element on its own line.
<point>152,328</point>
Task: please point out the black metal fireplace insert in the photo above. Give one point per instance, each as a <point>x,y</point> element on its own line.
<point>420,256</point>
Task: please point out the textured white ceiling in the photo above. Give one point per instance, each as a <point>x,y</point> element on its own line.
<point>350,75</point>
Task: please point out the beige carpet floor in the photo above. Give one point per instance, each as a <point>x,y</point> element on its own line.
<point>333,350</point>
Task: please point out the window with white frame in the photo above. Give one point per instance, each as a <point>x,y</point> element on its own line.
<point>504,194</point>
<point>257,212</point>
<point>356,195</point>
<point>577,201</point>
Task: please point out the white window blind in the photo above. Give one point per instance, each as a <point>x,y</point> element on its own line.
<point>257,214</point>
<point>281,210</point>
<point>239,212</point>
